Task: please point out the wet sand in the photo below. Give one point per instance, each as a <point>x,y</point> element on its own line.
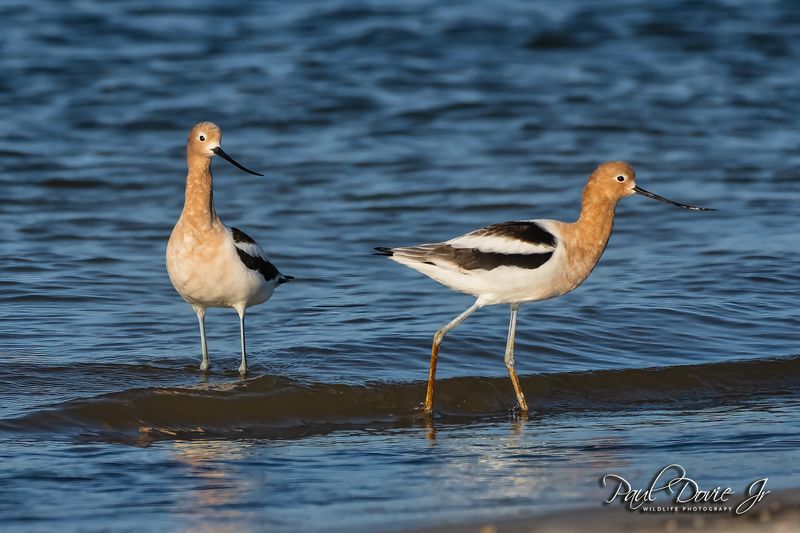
<point>779,512</point>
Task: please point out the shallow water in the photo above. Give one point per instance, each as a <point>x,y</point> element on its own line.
<point>390,125</point>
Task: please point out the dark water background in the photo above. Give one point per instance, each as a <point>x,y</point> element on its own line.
<point>389,124</point>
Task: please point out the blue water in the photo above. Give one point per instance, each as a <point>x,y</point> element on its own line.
<point>381,125</point>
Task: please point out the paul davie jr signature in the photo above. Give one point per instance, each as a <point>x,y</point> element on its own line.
<point>687,496</point>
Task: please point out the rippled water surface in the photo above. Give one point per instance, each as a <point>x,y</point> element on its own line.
<point>382,123</point>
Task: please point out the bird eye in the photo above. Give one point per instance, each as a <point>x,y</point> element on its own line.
<point>620,178</point>
<point>203,138</point>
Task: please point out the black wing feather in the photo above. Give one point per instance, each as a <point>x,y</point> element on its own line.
<point>265,268</point>
<point>475,259</point>
<point>520,230</point>
<point>240,236</point>
<point>465,258</point>
<point>256,262</point>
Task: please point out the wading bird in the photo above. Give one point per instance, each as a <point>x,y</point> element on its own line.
<point>210,264</point>
<point>524,261</point>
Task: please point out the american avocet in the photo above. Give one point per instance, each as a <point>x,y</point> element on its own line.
<point>524,261</point>
<point>210,264</point>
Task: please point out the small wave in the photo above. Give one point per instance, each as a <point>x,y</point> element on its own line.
<point>269,406</point>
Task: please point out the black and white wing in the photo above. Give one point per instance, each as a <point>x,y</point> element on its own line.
<point>524,244</point>
<point>254,257</point>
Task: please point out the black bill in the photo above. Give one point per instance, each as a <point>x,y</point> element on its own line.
<point>639,190</point>
<point>220,152</point>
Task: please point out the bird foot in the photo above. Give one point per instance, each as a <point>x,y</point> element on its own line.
<point>518,412</point>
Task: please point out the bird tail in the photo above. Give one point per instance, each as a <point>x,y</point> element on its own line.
<point>382,250</point>
<point>284,279</point>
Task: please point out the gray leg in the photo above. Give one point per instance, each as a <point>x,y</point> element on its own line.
<point>201,318</point>
<point>243,366</point>
<point>509,359</point>
<point>437,340</point>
